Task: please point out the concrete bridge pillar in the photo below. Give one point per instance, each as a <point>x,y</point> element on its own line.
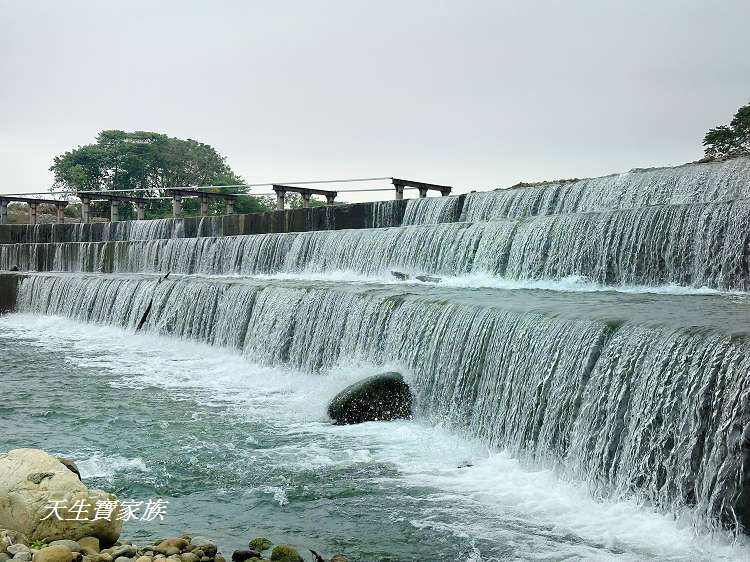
<point>114,211</point>
<point>204,206</point>
<point>306,200</point>
<point>140,210</point>
<point>32,213</point>
<point>330,199</point>
<point>85,210</point>
<point>280,200</point>
<point>60,214</point>
<point>3,212</point>
<point>399,192</point>
<point>422,192</point>
<point>230,205</point>
<point>177,206</point>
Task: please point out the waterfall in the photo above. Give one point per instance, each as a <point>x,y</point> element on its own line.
<point>377,214</point>
<point>658,411</point>
<point>690,245</point>
<point>691,183</point>
<point>433,210</point>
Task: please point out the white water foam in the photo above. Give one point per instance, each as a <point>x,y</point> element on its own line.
<point>572,284</point>
<point>494,497</point>
<point>104,466</point>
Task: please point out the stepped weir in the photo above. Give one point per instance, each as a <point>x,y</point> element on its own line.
<point>599,326</point>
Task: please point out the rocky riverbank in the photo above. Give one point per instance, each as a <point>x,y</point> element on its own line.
<point>47,514</point>
<point>17,547</point>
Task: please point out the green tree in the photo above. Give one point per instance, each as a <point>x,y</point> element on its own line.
<point>149,162</point>
<point>732,139</point>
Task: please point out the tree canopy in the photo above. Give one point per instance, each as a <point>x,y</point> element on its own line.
<point>140,160</point>
<point>732,139</point>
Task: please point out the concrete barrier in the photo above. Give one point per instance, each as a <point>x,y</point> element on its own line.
<point>9,290</point>
<point>337,217</point>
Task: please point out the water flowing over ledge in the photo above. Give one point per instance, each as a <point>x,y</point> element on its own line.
<point>687,184</point>
<point>356,215</point>
<point>700,245</point>
<point>710,182</point>
<point>632,408</point>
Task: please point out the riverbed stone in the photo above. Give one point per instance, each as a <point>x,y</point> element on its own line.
<point>189,557</point>
<point>260,543</point>
<point>89,545</point>
<point>54,554</point>
<point>144,559</point>
<point>244,554</point>
<point>9,537</point>
<point>125,550</point>
<point>16,548</point>
<point>206,545</point>
<point>72,545</point>
<point>378,398</point>
<point>339,558</point>
<point>4,556</point>
<point>25,499</point>
<point>23,556</point>
<point>285,553</point>
<point>123,559</point>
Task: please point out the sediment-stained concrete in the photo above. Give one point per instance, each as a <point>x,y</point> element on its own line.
<point>337,217</point>
<point>9,290</point>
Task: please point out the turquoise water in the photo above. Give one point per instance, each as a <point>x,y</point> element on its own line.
<point>241,449</point>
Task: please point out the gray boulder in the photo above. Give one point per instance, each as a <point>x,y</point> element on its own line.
<point>378,398</point>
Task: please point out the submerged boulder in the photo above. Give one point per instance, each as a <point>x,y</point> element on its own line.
<point>35,488</point>
<point>378,398</point>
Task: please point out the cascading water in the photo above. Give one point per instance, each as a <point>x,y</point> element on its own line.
<point>690,245</point>
<point>642,394</point>
<point>660,411</point>
<point>432,210</point>
<point>691,183</point>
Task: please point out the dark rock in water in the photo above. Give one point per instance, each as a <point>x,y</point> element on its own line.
<point>242,555</point>
<point>428,279</point>
<point>14,268</point>
<point>378,398</point>
<point>316,557</point>
<point>399,275</point>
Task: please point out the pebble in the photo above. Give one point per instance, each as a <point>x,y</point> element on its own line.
<point>73,546</point>
<point>16,548</point>
<point>24,556</point>
<point>124,551</point>
<point>89,545</point>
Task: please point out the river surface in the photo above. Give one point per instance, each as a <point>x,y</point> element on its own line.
<point>239,449</point>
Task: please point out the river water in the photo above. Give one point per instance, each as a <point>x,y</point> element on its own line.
<point>581,372</point>
<point>241,448</point>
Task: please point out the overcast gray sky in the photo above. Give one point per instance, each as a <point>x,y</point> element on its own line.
<point>469,93</point>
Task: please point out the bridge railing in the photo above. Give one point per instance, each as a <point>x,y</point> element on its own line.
<point>177,195</point>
